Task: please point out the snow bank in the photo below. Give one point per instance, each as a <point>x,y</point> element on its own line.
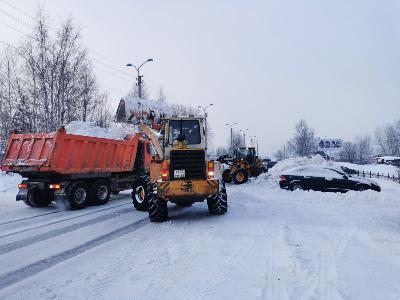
<point>271,178</point>
<point>8,191</point>
<point>117,131</point>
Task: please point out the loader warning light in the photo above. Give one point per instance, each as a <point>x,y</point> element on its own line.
<point>164,171</point>
<point>55,186</point>
<point>22,186</point>
<point>211,169</point>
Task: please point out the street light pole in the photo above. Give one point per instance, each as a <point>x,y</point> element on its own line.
<point>231,126</point>
<point>205,121</point>
<point>139,77</point>
<point>244,136</point>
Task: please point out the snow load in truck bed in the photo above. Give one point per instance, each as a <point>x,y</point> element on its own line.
<point>117,131</point>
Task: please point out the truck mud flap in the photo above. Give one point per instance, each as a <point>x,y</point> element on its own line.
<point>22,195</point>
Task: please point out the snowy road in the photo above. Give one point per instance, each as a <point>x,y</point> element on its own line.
<point>272,244</point>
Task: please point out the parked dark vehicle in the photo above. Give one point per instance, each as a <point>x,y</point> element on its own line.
<point>325,179</point>
<point>268,163</point>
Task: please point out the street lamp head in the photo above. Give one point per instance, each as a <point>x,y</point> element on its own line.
<point>129,65</point>
<point>150,59</point>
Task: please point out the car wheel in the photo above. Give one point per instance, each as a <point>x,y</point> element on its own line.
<point>362,188</point>
<point>296,186</point>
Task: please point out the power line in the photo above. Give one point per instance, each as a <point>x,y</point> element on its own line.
<point>17,9</point>
<point>15,29</point>
<point>14,18</point>
<point>150,82</point>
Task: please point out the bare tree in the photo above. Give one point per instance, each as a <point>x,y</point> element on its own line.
<point>388,139</point>
<point>364,149</point>
<point>279,155</point>
<point>348,152</point>
<point>303,141</point>
<point>48,81</point>
<point>161,95</point>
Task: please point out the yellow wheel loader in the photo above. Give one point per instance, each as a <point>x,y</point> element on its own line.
<point>181,173</point>
<point>244,164</point>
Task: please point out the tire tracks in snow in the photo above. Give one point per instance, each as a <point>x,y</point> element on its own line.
<point>64,220</point>
<point>327,281</point>
<point>46,214</point>
<point>274,287</point>
<point>44,264</point>
<point>6,248</point>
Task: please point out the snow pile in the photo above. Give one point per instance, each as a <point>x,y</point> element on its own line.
<point>117,131</point>
<point>8,183</point>
<point>8,191</point>
<point>133,104</point>
<point>272,176</point>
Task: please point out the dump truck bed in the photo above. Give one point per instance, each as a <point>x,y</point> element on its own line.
<point>62,153</point>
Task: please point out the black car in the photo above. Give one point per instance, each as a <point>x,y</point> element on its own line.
<point>325,179</point>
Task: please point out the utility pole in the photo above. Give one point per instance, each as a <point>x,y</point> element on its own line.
<point>231,126</point>
<point>140,85</point>
<point>244,136</point>
<point>139,77</point>
<point>205,121</point>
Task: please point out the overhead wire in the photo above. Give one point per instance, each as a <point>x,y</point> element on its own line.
<point>151,84</point>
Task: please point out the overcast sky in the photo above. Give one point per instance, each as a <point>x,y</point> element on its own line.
<point>263,64</point>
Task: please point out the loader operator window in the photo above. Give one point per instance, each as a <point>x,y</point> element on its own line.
<point>190,129</point>
<point>245,153</point>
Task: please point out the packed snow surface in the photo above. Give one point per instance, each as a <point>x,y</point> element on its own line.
<point>272,244</point>
<point>117,131</point>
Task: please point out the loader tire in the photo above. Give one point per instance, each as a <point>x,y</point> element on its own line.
<point>158,209</point>
<point>143,190</point>
<point>100,192</point>
<point>218,204</point>
<point>240,176</point>
<point>226,176</point>
<point>39,198</point>
<point>77,195</point>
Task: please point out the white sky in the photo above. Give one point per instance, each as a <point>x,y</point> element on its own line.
<point>264,64</point>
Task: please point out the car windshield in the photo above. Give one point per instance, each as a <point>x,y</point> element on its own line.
<point>244,153</point>
<point>190,129</point>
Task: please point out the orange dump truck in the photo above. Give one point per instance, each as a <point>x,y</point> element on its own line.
<point>80,170</point>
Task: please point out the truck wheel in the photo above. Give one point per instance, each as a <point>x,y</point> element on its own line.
<point>226,176</point>
<point>143,190</point>
<point>218,204</point>
<point>39,198</point>
<point>27,203</point>
<point>77,195</point>
<point>100,192</point>
<point>240,176</point>
<point>158,209</point>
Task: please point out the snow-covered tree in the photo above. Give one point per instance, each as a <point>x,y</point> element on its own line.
<point>303,141</point>
<point>47,81</point>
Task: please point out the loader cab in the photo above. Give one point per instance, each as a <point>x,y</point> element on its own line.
<point>247,154</point>
<point>183,133</point>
